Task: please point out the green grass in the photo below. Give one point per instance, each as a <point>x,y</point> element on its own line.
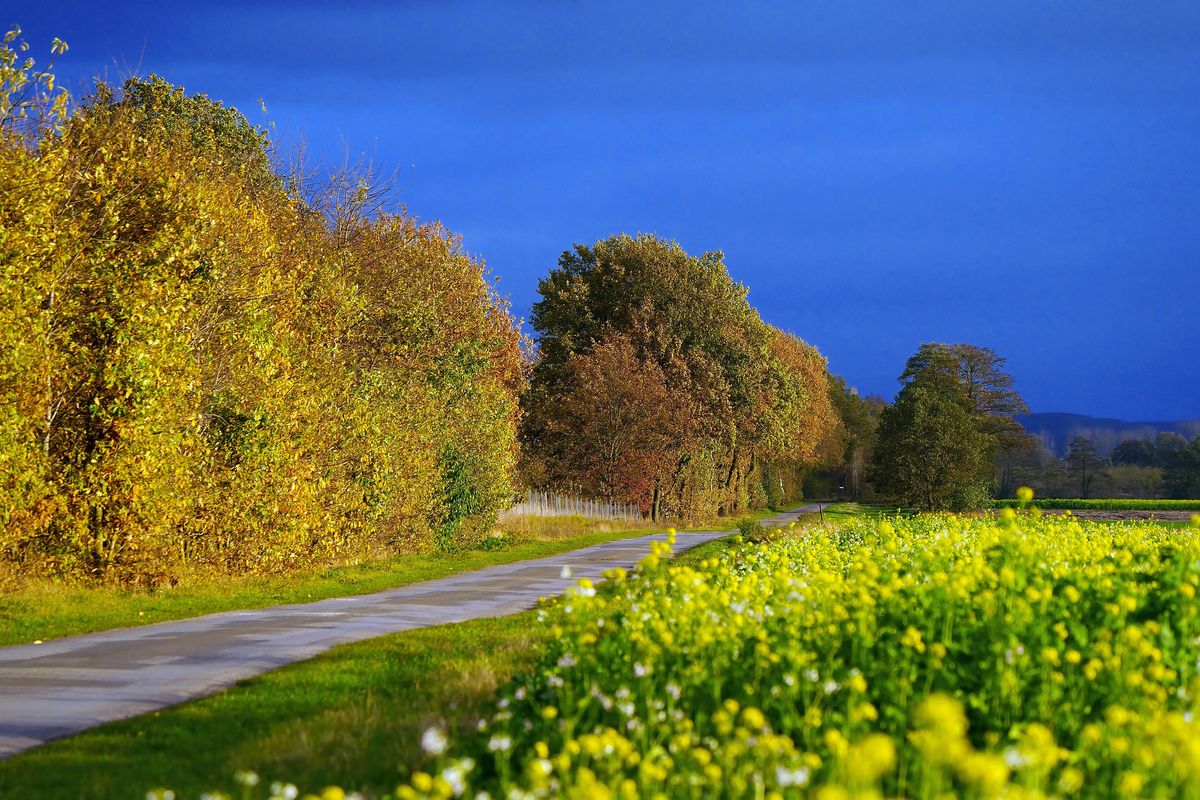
<point>48,610</point>
<point>841,512</point>
<point>352,716</point>
<point>1109,504</point>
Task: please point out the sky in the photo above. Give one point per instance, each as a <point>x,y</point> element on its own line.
<point>1020,175</point>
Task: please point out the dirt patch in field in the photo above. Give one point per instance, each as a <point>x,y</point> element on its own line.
<point>1123,516</point>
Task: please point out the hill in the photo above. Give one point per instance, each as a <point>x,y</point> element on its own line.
<point>1055,430</point>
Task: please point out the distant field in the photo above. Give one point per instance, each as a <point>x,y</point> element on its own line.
<point>1108,504</point>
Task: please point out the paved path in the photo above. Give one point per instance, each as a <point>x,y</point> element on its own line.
<point>67,685</point>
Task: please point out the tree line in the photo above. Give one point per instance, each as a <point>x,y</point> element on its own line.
<point>208,361</point>
<point>949,441</point>
<point>1166,467</point>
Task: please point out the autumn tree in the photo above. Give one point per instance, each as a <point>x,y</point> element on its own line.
<point>201,369</point>
<point>619,427</point>
<point>749,390</point>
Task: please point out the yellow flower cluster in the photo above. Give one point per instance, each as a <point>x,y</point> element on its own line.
<point>937,656</point>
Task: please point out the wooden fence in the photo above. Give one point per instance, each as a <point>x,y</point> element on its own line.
<point>545,504</point>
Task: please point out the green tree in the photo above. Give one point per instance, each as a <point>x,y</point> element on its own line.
<point>936,378</point>
<point>860,419</point>
<point>1182,478</point>
<point>930,452</point>
<point>1165,444</point>
<point>1084,464</point>
<point>1136,452</point>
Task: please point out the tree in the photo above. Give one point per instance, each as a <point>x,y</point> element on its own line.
<point>757,398</point>
<point>1084,463</point>
<point>860,418</point>
<point>1182,478</point>
<point>930,451</point>
<point>1166,444</point>
<point>201,370</point>
<point>979,371</point>
<point>1135,452</point>
<point>619,426</point>
<point>969,378</point>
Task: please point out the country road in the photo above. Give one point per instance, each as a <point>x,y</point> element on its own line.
<point>67,685</point>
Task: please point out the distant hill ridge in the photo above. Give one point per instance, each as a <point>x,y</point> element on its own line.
<point>1056,430</point>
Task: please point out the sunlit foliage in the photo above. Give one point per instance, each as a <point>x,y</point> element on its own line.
<point>748,411</point>
<point>201,368</point>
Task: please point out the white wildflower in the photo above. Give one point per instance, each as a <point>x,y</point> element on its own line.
<point>433,741</point>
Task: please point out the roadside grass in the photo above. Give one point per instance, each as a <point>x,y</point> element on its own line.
<point>840,512</point>
<point>352,717</point>
<point>1106,504</point>
<point>46,609</point>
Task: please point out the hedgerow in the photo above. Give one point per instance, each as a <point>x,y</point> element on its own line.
<point>208,365</point>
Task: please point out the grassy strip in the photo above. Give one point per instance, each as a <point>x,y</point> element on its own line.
<point>352,717</point>
<point>842,512</point>
<point>1111,504</point>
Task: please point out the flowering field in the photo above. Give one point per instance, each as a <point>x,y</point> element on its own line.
<point>1013,656</point>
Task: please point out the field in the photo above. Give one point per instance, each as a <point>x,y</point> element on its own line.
<point>922,656</point>
<point>916,657</point>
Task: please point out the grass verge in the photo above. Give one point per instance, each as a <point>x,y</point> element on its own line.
<point>48,610</point>
<point>352,716</point>
<point>1107,504</point>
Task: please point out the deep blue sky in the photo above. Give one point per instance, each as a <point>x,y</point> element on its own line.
<point>1024,175</point>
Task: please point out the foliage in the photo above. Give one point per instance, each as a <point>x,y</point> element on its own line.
<point>1084,464</point>
<point>634,315</point>
<point>929,451</point>
<point>951,419</point>
<point>1182,478</point>
<point>201,370</point>
<point>860,419</point>
<point>617,426</point>
<point>932,656</point>
<point>1138,452</point>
